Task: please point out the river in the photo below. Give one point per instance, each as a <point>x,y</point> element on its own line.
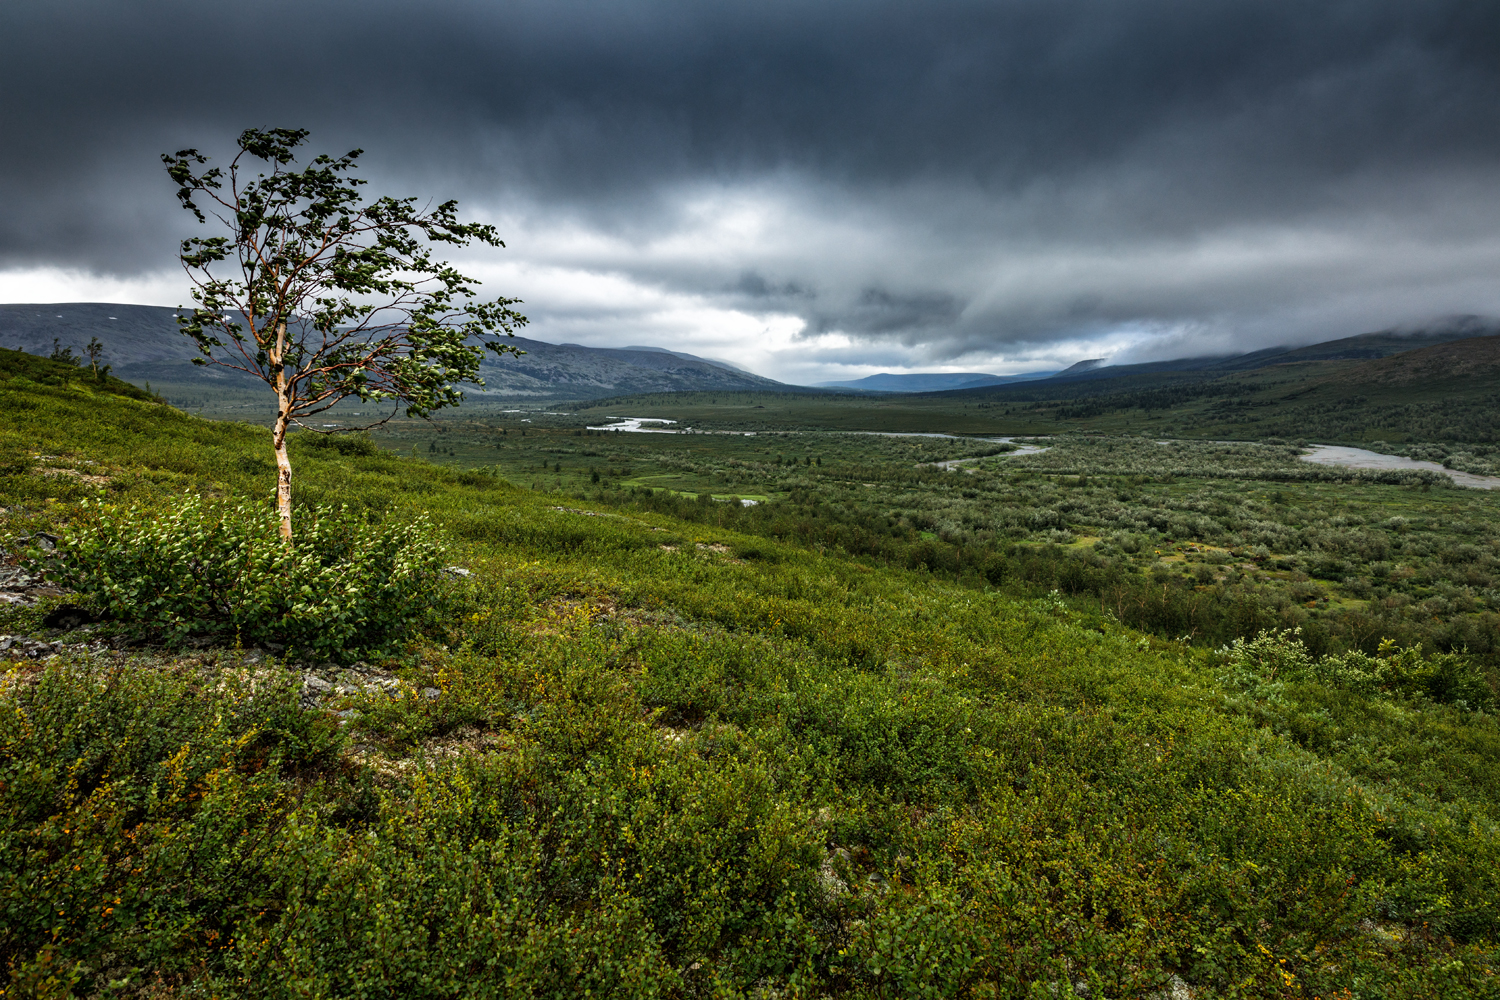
<point>1359,458</point>
<point>635,425</point>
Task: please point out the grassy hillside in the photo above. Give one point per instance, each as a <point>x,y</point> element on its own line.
<point>22,371</point>
<point>639,755</point>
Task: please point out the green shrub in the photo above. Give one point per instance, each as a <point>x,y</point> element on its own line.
<point>140,816</point>
<point>1264,664</point>
<point>343,591</point>
<point>342,444</point>
<point>1447,678</point>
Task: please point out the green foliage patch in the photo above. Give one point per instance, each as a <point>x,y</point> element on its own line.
<point>19,371</point>
<point>644,752</point>
<point>346,590</point>
<point>140,806</point>
<point>1210,540</point>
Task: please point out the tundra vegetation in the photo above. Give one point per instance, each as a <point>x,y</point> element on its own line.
<point>657,745</point>
<point>1203,541</point>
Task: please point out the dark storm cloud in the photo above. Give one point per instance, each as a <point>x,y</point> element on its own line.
<point>755,287</point>
<point>1001,132</point>
<point>876,310</point>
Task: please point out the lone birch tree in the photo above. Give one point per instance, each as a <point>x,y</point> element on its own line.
<point>328,296</point>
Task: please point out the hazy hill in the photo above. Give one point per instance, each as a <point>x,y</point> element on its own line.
<point>144,345</point>
<point>568,371</point>
<point>1380,344</point>
<point>1460,361</point>
<point>681,354</point>
<point>140,342</point>
<point>1080,367</point>
<point>934,382</point>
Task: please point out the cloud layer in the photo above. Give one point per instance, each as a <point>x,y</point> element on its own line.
<point>817,191</point>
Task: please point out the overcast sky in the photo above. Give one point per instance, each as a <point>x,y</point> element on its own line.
<point>814,190</point>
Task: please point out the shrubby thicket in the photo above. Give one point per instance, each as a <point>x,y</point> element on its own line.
<point>1482,459</point>
<point>1202,540</point>
<point>220,571</point>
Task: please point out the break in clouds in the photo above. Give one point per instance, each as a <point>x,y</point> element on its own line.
<point>821,190</point>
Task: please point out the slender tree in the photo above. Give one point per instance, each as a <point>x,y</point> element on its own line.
<point>329,296</point>
<point>95,351</point>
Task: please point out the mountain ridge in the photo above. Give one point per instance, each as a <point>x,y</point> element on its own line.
<point>143,344</point>
<point>1378,344</point>
<point>928,382</point>
<point>1453,362</point>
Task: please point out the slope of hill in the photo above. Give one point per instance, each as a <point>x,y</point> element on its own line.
<point>1092,364</point>
<point>143,344</point>
<point>640,750</point>
<point>22,367</point>
<point>1456,362</point>
<point>1380,344</point>
<point>933,382</point>
<point>682,354</point>
<point>1446,392</point>
<point>568,371</point>
<point>131,335</point>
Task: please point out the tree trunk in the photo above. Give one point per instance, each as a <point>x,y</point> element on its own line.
<point>278,438</point>
<point>283,472</point>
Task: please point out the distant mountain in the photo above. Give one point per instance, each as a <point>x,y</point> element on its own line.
<point>1110,379</point>
<point>1081,367</point>
<point>929,382</point>
<point>143,344</point>
<point>568,371</point>
<point>690,357</point>
<point>1381,344</point>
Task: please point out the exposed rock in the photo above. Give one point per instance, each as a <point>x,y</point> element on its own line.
<point>17,586</point>
<point>834,887</point>
<point>329,682</point>
<point>42,540</point>
<point>20,647</point>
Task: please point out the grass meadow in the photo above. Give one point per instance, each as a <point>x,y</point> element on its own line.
<point>659,745</point>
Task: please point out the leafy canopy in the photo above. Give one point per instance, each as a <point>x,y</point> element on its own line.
<point>334,296</point>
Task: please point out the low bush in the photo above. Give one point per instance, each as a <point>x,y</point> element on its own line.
<point>342,444</point>
<point>141,813</point>
<point>344,590</point>
<point>1275,657</point>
